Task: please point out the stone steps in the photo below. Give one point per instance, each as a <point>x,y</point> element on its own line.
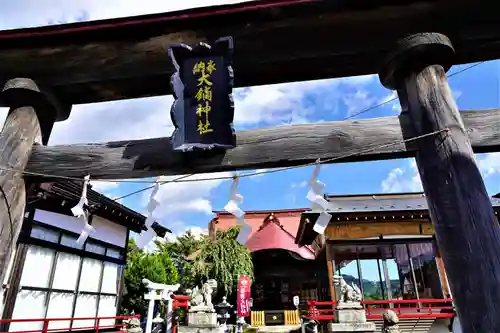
<point>410,325</point>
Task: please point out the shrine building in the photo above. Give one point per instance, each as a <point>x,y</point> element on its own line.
<point>384,243</point>
<point>52,276</point>
<point>282,269</point>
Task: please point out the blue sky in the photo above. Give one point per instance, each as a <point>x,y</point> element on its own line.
<point>189,205</point>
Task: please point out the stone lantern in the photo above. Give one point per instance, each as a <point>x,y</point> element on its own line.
<point>222,309</point>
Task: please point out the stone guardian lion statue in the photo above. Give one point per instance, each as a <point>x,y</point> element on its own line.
<point>348,293</point>
<point>202,298</point>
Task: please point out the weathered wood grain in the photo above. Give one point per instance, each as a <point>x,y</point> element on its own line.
<point>20,131</point>
<point>126,58</point>
<point>261,148</point>
<point>465,225</point>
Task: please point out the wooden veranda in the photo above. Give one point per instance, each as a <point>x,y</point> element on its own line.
<point>410,44</point>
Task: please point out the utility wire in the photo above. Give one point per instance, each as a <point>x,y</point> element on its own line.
<point>319,161</point>
<point>282,169</point>
<point>184,177</point>
<point>396,97</point>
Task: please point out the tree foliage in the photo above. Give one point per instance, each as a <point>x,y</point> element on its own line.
<point>200,258</point>
<point>223,259</point>
<point>189,260</point>
<point>180,250</point>
<point>157,267</point>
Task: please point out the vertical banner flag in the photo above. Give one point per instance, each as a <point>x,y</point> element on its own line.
<point>244,292</point>
<point>203,109</point>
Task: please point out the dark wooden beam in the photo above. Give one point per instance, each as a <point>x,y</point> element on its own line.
<point>465,225</point>
<point>261,148</point>
<point>275,41</point>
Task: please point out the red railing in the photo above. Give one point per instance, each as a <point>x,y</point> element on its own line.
<point>410,309</point>
<point>121,327</point>
<point>178,302</point>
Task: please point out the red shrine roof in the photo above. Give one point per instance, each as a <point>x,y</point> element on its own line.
<point>272,229</point>
<point>273,236</point>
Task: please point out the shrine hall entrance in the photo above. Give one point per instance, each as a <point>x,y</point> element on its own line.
<point>280,274</point>
<point>403,269</point>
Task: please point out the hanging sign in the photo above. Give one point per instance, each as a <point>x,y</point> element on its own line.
<point>203,110</point>
<point>244,292</point>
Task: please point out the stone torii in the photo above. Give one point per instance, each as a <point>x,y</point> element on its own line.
<point>159,292</point>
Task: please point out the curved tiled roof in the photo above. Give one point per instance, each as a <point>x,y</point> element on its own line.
<point>271,235</point>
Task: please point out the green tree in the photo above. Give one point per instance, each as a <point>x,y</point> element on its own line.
<point>180,251</point>
<point>157,267</point>
<point>222,259</point>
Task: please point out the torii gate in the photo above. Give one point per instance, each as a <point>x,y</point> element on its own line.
<point>466,228</point>
<point>159,292</point>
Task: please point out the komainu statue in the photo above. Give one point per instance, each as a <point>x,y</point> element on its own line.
<point>202,299</point>
<point>195,296</point>
<point>348,293</point>
<point>391,321</point>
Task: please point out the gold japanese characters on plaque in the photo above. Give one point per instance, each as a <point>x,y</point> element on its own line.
<point>203,110</point>
<point>203,96</point>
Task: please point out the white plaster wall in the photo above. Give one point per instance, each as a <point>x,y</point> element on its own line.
<point>6,279</point>
<point>106,230</point>
<point>109,232</point>
<point>59,220</point>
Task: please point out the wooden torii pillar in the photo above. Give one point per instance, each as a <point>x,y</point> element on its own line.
<point>467,231</point>
<point>32,113</point>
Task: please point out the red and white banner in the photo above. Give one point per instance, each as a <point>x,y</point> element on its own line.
<point>244,292</point>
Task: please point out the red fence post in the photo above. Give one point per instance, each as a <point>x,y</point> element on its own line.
<point>97,325</point>
<point>45,326</point>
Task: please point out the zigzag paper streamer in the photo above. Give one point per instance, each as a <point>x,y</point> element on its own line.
<point>78,210</point>
<point>233,207</point>
<point>146,242</point>
<point>87,229</point>
<point>318,203</point>
<point>152,204</point>
<point>244,234</point>
<point>235,200</point>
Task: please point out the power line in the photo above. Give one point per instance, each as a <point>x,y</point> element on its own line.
<point>325,161</point>
<point>281,169</point>
<point>150,187</point>
<point>184,177</point>
<point>396,97</point>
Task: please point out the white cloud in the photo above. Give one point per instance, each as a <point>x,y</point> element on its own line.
<point>489,164</point>
<point>172,237</point>
<point>104,187</point>
<point>197,232</point>
<point>286,103</point>
<point>405,179</point>
<point>192,196</point>
<point>392,100</point>
<point>358,102</point>
<point>302,184</point>
<point>150,117</point>
<point>257,174</point>
<point>177,227</point>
